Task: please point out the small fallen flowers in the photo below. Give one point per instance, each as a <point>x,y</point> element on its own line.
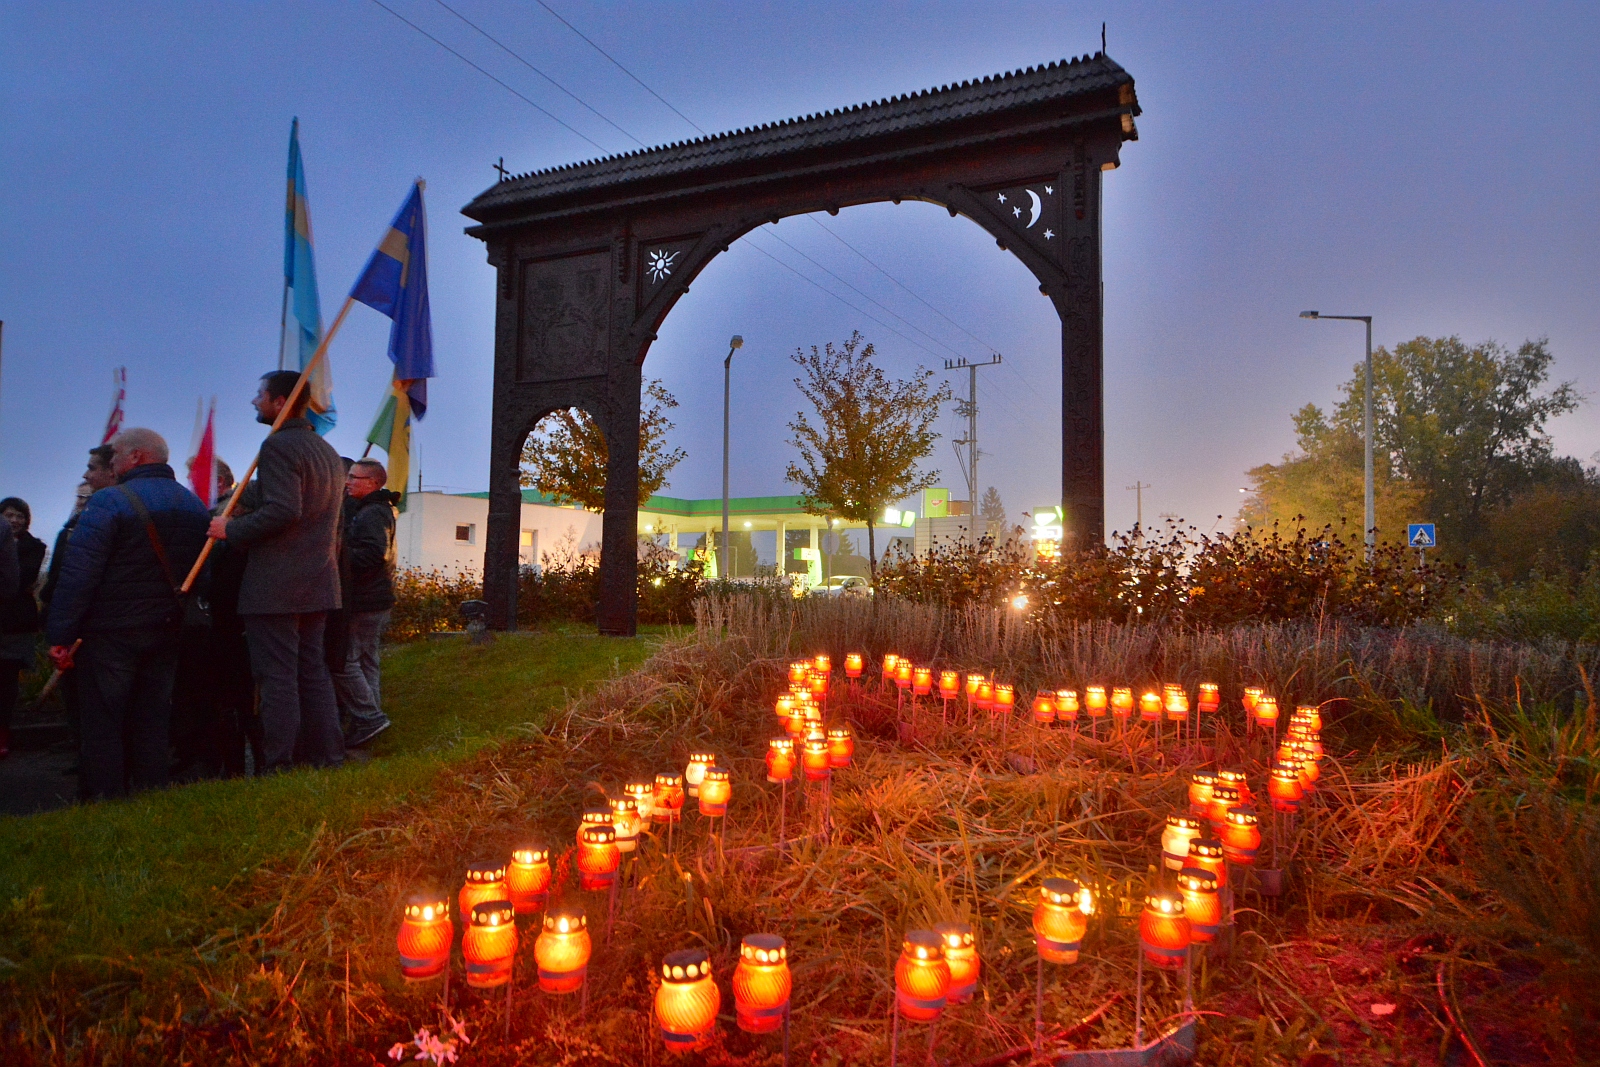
<point>437,1050</point>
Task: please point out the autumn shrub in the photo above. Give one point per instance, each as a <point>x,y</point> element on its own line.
<point>1182,576</point>
<point>428,600</point>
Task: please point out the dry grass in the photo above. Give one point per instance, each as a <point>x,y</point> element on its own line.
<point>961,823</point>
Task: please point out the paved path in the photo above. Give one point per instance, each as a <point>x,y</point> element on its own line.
<point>32,781</point>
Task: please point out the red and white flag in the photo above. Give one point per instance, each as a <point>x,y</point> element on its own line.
<point>203,467</point>
<point>119,393</point>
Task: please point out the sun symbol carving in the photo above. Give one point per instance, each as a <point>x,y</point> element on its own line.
<point>660,264</point>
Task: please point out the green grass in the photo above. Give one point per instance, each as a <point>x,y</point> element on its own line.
<point>117,887</point>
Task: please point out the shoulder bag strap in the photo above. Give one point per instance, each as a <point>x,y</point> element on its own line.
<point>155,537</point>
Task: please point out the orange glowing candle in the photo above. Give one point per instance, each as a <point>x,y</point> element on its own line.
<point>974,681</point>
<point>1149,706</point>
<point>486,880</point>
<point>1248,698</point>
<point>592,816</point>
<point>1223,797</point>
<point>922,681</point>
<point>1238,780</point>
<point>761,984</point>
<point>922,977</point>
<point>1201,785</point>
<point>598,858</point>
<point>425,935</point>
<point>687,1000</point>
<point>490,944</point>
<point>1313,715</point>
<point>1044,709</point>
<point>1060,920</point>
<point>1206,853</point>
<point>822,663</point>
<point>1241,837</point>
<point>797,672</point>
<point>528,877</point>
<point>715,792</point>
<point>562,950</point>
<point>1094,700</point>
<point>984,700</point>
<point>891,662</point>
<point>1005,698</point>
<point>666,804</point>
<point>1067,705</point>
<point>817,759</point>
<point>949,684</point>
<point>853,665</point>
<point>1176,703</point>
<point>642,793</point>
<point>1210,698</point>
<point>841,746</point>
<point>1284,787</point>
<point>1267,710</point>
<point>961,955</point>
<point>780,759</point>
<point>902,674</point>
<point>1202,905</point>
<point>1164,932</point>
<point>1121,703</point>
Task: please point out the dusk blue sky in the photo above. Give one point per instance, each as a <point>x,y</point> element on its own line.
<point>1434,166</point>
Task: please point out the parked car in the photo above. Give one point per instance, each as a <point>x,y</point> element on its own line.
<point>844,585</point>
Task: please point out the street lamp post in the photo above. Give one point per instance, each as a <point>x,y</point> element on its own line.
<point>1371,521</point>
<point>724,559</point>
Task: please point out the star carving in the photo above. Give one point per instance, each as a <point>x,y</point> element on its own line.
<point>1002,198</point>
<point>1048,234</point>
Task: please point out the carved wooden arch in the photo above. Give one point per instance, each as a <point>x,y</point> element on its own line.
<point>592,258</point>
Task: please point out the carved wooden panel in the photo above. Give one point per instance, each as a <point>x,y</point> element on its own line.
<point>565,317</point>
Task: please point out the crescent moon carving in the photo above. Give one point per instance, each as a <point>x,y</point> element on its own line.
<point>1036,208</point>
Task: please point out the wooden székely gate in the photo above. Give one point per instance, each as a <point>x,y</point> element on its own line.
<point>592,256</point>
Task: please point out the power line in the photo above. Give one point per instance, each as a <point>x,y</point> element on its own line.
<point>486,74</point>
<point>860,311</point>
<point>620,67</point>
<point>507,50</point>
<point>864,295</point>
<point>1004,401</point>
<point>901,284</point>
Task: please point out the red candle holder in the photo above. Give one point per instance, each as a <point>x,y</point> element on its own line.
<point>1164,933</point>
<point>425,935</point>
<point>528,877</point>
<point>922,977</point>
<point>490,944</point>
<point>761,984</point>
<point>562,950</point>
<point>780,759</point>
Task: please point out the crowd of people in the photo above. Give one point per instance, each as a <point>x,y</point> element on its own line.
<point>268,661</point>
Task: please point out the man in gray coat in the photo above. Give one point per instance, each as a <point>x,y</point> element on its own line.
<point>291,580</point>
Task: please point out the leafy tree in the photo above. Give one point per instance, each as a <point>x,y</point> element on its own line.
<point>870,433</point>
<point>565,456</point>
<point>1459,431</point>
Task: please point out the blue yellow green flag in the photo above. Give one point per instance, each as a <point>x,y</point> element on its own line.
<point>302,320</point>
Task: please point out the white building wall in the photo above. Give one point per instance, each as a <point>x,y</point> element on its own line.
<point>445,531</point>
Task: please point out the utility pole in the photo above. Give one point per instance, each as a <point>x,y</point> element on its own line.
<point>1138,488</point>
<point>971,408</point>
<point>724,561</point>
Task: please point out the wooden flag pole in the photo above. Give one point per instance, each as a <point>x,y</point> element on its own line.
<point>283,415</point>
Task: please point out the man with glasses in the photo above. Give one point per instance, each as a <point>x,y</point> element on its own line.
<point>368,598</point>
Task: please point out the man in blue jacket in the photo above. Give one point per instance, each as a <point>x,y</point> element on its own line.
<point>117,592</point>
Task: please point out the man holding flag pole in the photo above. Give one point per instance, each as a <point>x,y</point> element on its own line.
<point>293,533</point>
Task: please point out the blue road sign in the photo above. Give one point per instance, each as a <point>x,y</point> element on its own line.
<point>1420,535</point>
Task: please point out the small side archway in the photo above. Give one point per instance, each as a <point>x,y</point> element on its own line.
<point>591,258</point>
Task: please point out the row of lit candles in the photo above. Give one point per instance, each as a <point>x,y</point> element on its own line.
<point>1049,705</point>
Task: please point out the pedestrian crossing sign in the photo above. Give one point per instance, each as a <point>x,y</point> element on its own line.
<point>1420,535</point>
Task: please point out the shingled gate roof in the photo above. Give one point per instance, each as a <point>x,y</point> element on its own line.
<point>1031,90</point>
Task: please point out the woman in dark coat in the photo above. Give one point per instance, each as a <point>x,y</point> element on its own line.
<point>19,612</point>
